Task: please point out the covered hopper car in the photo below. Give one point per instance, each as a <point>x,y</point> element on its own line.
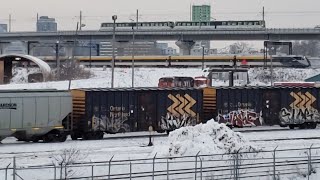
<point>33,115</point>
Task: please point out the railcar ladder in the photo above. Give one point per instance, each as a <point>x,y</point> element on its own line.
<point>209,103</point>
<point>79,106</point>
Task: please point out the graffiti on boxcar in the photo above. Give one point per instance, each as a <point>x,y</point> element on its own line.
<point>240,118</point>
<point>300,109</point>
<point>172,122</point>
<point>113,122</point>
<point>180,113</point>
<point>298,115</point>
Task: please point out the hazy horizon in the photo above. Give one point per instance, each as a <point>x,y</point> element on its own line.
<point>284,13</point>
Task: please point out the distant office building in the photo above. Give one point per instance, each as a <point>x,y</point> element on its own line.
<point>207,52</point>
<point>166,50</point>
<point>3,28</point>
<point>44,23</point>
<point>170,51</point>
<point>141,48</point>
<point>201,13</point>
<point>16,47</point>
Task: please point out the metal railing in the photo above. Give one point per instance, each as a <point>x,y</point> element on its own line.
<point>272,164</point>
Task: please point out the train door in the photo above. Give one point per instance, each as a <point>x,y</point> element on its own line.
<point>147,110</point>
<point>271,106</point>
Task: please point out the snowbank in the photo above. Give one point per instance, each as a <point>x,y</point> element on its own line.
<point>20,75</point>
<point>209,138</point>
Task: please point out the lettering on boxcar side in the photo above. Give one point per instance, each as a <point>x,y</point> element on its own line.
<point>114,121</point>
<point>8,105</point>
<point>180,113</point>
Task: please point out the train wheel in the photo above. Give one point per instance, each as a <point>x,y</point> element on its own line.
<point>313,125</point>
<point>48,138</point>
<point>291,126</point>
<point>303,126</point>
<point>62,137</point>
<point>99,135</point>
<point>35,139</point>
<point>74,136</point>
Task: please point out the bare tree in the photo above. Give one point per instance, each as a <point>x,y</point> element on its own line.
<point>68,157</point>
<point>305,48</point>
<point>72,70</point>
<point>240,47</point>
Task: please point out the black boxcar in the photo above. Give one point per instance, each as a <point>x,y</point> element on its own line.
<point>96,111</point>
<point>256,106</point>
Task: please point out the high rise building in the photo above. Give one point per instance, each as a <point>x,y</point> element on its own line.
<point>201,13</point>
<point>3,28</point>
<point>141,48</point>
<point>44,23</point>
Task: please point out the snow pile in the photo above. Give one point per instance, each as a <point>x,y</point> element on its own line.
<point>20,75</point>
<point>209,138</point>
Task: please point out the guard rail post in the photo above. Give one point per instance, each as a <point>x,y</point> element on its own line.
<point>130,170</point>
<point>109,173</point>
<point>200,167</point>
<point>167,168</point>
<point>14,168</point>
<point>92,172</point>
<point>309,162</point>
<point>153,165</point>
<point>274,163</point>
<point>196,164</point>
<point>7,171</point>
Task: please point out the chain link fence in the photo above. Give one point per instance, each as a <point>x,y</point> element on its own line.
<point>274,164</point>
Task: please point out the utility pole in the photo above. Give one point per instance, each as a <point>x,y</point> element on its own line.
<point>57,60</point>
<point>80,20</point>
<point>114,18</point>
<point>10,22</point>
<point>202,66</point>
<point>137,17</point>
<point>263,13</point>
<point>73,52</point>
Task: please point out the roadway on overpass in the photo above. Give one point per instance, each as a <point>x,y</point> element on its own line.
<point>250,34</point>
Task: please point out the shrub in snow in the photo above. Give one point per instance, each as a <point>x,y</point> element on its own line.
<point>71,70</point>
<point>209,138</point>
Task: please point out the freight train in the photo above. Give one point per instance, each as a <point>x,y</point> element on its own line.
<point>89,113</point>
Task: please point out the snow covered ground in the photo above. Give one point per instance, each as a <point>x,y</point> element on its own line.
<point>148,77</point>
<point>31,154</point>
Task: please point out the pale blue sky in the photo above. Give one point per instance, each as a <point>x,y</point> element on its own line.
<point>279,13</point>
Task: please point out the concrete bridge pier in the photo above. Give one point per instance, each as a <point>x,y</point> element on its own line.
<point>185,46</point>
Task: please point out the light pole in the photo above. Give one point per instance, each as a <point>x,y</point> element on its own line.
<point>90,51</point>
<point>114,18</point>
<point>271,69</point>
<point>133,41</point>
<point>202,57</point>
<point>57,59</point>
